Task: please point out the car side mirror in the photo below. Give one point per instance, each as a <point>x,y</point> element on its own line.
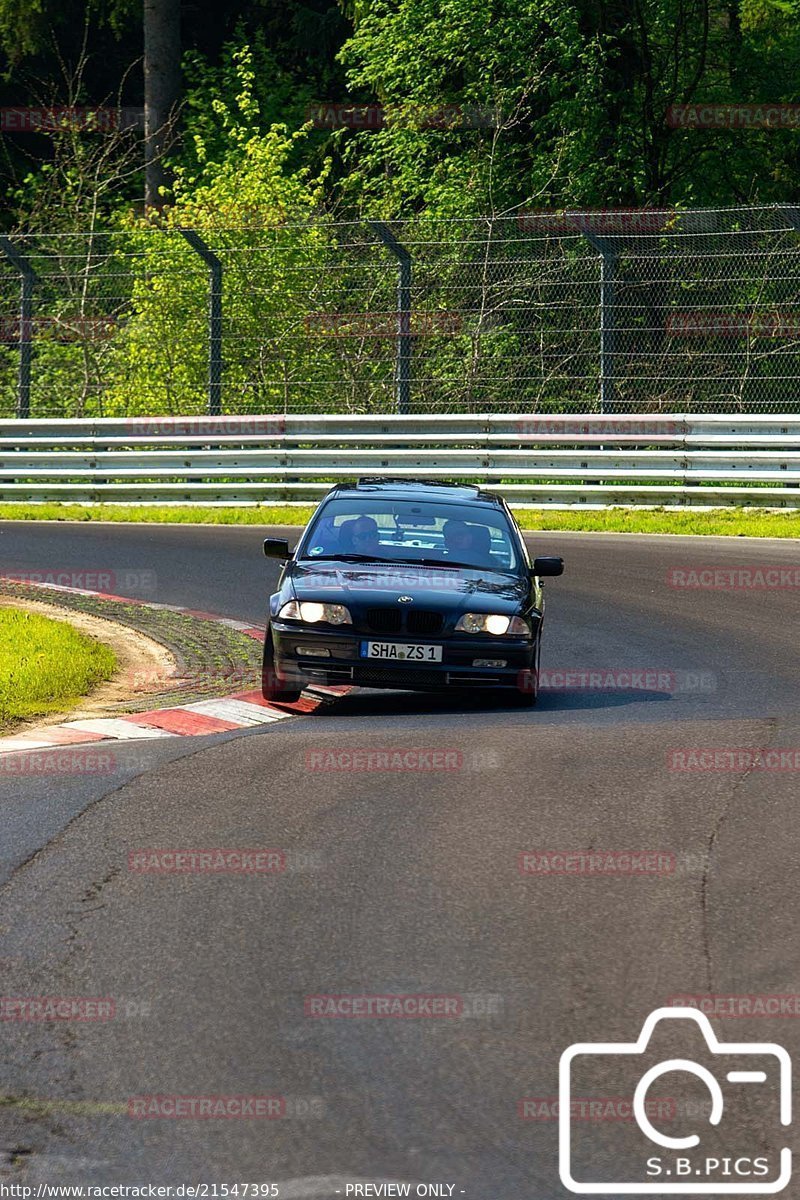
<point>277,548</point>
<point>548,566</point>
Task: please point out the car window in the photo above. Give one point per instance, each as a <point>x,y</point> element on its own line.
<point>410,530</point>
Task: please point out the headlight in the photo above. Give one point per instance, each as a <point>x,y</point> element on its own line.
<point>312,612</point>
<point>494,623</point>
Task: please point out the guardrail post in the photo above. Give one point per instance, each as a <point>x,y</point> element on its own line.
<point>403,363</point>
<point>608,275</point>
<point>28,280</point>
<point>214,319</point>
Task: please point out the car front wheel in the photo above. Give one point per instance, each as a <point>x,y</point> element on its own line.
<point>273,685</point>
<point>527,692</point>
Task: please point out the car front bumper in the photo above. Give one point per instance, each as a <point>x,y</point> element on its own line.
<point>338,660</point>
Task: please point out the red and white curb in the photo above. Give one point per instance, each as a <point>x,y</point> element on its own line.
<point>242,710</point>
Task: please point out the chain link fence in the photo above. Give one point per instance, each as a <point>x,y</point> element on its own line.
<point>617,311</point>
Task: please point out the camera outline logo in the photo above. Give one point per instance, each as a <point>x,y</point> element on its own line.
<point>740,1186</point>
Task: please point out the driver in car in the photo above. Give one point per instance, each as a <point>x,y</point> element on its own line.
<point>467,543</point>
<point>364,536</point>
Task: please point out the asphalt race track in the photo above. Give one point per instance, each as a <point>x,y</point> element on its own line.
<point>409,882</point>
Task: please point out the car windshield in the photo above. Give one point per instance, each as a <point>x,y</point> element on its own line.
<point>412,531</point>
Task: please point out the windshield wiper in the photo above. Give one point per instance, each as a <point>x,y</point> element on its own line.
<point>345,558</point>
<point>450,562</point>
<point>393,562</point>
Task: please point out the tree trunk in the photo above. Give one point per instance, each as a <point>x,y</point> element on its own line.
<point>162,91</point>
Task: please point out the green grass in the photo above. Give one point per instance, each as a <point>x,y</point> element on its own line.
<point>719,522</point>
<point>45,665</point>
<point>268,514</point>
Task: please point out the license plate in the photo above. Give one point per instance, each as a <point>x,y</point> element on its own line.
<point>401,652</point>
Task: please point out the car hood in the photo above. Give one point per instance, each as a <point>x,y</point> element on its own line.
<point>377,584</point>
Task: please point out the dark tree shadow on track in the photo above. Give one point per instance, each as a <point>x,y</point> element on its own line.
<point>565,699</point>
<point>364,703</point>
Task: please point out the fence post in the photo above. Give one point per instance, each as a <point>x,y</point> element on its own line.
<point>608,276</point>
<point>403,363</point>
<point>214,319</point>
<point>28,280</point>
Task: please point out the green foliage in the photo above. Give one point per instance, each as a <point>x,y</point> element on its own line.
<point>472,91</point>
<point>246,186</point>
<point>492,107</point>
<point>27,27</point>
<point>779,16</point>
<point>583,90</point>
<point>580,89</point>
<point>273,95</point>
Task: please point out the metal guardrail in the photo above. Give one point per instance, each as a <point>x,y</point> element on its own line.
<point>549,461</point>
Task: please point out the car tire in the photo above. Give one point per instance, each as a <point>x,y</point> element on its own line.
<point>273,686</point>
<point>526,696</point>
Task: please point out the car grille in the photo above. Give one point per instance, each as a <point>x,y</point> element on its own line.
<point>424,622</point>
<point>395,620</point>
<point>391,677</point>
<point>385,620</point>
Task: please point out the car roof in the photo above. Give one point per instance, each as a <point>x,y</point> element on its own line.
<point>417,489</point>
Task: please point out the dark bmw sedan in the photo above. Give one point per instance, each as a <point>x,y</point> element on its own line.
<point>407,584</point>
